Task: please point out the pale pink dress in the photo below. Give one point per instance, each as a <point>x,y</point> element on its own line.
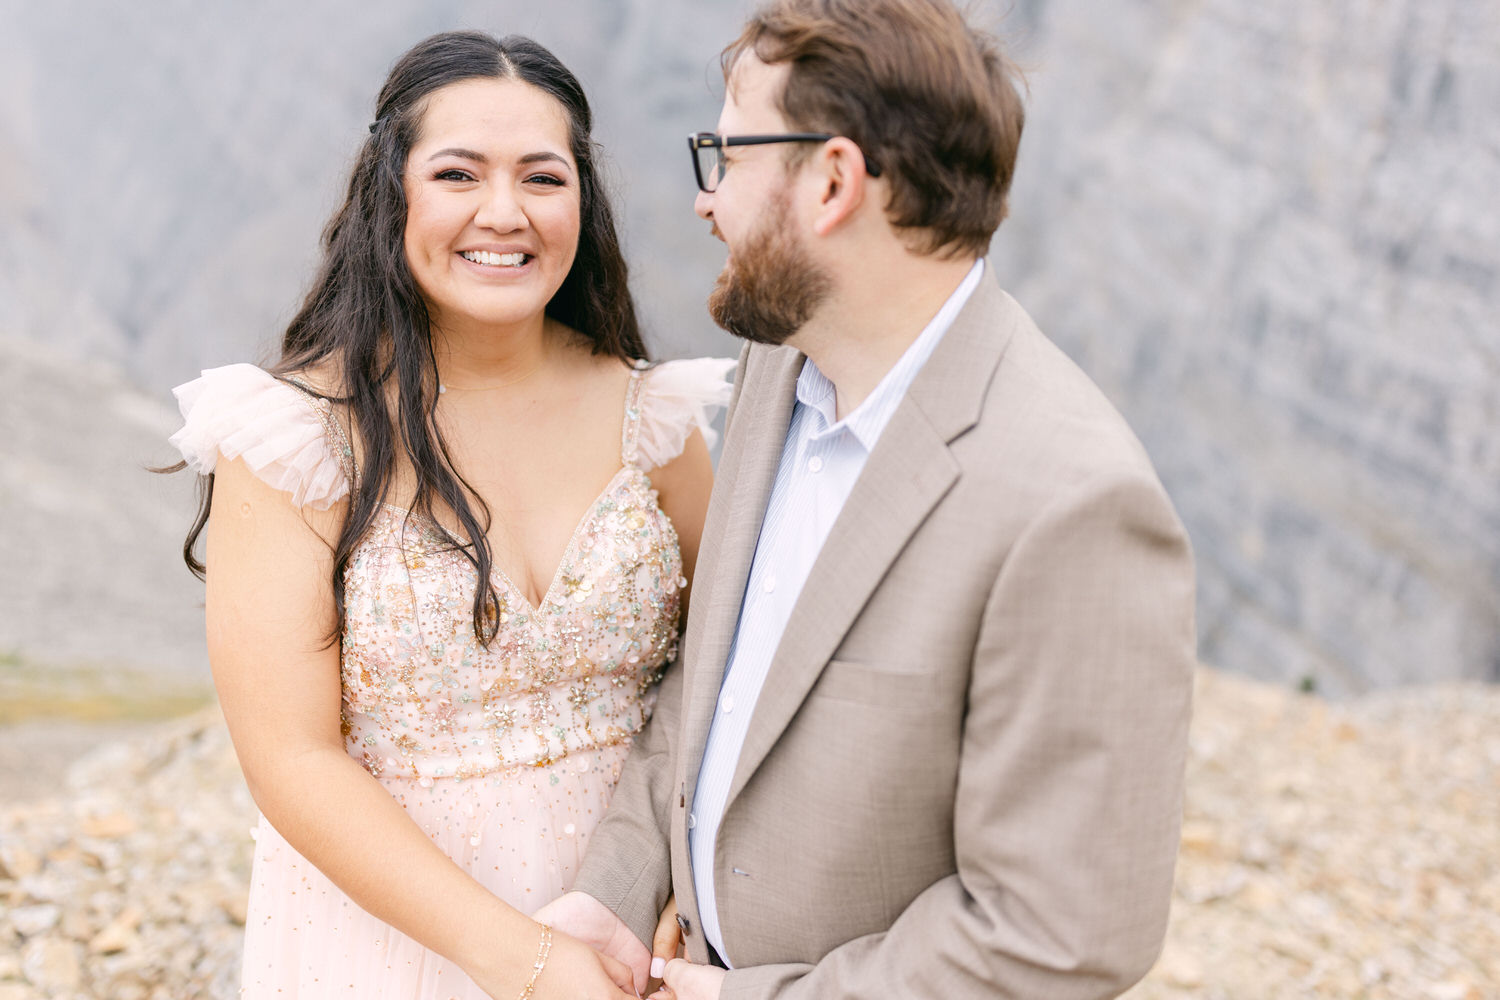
<point>505,755</point>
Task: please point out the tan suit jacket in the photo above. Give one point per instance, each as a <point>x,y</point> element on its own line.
<point>963,777</point>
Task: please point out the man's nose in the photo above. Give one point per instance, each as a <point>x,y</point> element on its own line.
<point>704,205</point>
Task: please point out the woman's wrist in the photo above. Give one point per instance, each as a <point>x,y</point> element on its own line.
<point>544,948</point>
<point>501,953</point>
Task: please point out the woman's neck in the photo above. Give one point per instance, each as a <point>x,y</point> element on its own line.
<point>484,357</point>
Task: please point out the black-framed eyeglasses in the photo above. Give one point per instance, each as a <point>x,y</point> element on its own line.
<point>708,152</point>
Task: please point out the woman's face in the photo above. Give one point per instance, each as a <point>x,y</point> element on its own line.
<point>492,203</point>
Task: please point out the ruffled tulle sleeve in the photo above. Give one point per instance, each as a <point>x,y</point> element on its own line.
<point>287,437</point>
<point>676,397</point>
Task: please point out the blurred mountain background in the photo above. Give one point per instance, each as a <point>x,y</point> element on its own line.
<point>1270,232</point>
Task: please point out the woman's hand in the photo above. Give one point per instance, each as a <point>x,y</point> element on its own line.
<point>593,923</point>
<point>667,941</point>
<point>574,971</point>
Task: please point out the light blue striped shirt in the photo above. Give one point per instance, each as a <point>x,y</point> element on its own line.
<point>820,461</point>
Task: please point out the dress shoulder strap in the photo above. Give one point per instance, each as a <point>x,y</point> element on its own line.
<point>671,400</point>
<point>288,436</point>
<point>630,426</point>
<point>333,430</point>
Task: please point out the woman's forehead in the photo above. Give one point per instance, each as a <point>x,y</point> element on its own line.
<point>498,116</point>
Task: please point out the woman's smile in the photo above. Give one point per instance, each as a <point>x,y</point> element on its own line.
<point>493,204</point>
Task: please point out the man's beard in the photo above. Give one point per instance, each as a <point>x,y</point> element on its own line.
<point>771,287</point>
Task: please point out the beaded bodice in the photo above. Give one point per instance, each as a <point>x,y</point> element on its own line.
<point>423,697</point>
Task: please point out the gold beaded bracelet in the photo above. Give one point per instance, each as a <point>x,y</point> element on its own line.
<point>541,962</point>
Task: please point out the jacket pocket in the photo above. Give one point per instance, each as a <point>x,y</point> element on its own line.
<point>869,684</point>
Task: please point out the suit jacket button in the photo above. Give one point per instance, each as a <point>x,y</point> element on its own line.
<point>685,924</point>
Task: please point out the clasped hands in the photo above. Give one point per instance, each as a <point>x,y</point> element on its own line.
<point>591,922</point>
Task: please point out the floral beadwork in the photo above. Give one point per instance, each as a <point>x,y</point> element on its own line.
<point>423,698</point>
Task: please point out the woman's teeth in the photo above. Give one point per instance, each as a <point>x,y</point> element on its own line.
<point>494,259</point>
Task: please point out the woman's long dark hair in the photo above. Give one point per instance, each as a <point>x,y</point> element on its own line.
<point>365,322</point>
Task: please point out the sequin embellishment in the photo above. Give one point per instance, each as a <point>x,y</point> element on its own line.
<point>422,697</point>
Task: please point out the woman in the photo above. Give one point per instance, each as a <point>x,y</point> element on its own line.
<point>432,632</point>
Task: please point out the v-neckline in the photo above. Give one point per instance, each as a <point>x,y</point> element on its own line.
<point>628,431</point>
<point>500,577</point>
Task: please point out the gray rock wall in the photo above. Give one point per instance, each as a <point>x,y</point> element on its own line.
<point>166,168</point>
<point>94,596</point>
<point>1269,231</point>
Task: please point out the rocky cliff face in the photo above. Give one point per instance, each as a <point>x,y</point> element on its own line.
<point>1269,232</point>
<point>166,169</point>
<point>94,591</point>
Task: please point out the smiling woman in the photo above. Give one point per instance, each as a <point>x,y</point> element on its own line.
<point>449,537</point>
<point>493,206</point>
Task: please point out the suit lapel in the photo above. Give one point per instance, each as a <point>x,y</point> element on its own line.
<point>746,474</point>
<point>907,474</point>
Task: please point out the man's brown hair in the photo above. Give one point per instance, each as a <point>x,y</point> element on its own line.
<point>932,102</point>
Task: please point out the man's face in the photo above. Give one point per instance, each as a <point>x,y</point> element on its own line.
<point>770,285</point>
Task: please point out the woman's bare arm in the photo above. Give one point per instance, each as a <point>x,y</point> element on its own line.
<point>269,614</point>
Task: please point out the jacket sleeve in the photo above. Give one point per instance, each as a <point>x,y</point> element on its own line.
<point>1069,793</point>
<point>628,864</point>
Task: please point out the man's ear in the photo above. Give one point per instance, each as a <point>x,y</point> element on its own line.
<point>838,172</point>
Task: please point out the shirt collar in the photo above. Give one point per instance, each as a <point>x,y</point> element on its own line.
<point>869,418</point>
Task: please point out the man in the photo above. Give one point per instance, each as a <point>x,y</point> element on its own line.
<point>928,731</point>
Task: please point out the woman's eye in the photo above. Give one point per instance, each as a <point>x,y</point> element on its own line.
<point>547,179</point>
<point>454,175</point>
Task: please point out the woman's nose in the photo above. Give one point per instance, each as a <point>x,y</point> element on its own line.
<point>500,211</point>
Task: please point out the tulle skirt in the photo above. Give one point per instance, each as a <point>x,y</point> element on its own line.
<point>520,833</point>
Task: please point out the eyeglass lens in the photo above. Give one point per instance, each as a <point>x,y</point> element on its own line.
<point>710,165</point>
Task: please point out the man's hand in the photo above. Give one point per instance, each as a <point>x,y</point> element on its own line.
<point>593,923</point>
<point>686,981</point>
<point>667,943</point>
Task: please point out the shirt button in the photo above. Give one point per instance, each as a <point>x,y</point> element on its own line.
<point>727,704</point>
<point>769,585</point>
<point>815,464</point>
<point>692,821</point>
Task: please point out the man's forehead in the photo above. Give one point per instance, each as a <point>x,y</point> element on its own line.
<point>751,92</point>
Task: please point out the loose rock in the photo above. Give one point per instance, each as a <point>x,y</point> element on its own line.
<point>1342,851</point>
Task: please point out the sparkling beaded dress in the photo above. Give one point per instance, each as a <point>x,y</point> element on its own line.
<point>505,755</point>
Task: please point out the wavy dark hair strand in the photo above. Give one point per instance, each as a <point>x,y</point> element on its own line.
<point>364,327</point>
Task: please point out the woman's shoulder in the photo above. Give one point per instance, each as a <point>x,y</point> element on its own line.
<point>284,428</point>
<point>677,398</point>
<point>322,380</point>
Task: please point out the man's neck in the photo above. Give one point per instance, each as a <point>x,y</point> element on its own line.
<point>874,315</point>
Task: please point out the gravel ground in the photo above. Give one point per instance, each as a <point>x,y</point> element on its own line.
<point>35,755</point>
<point>1328,851</point>
<point>1338,850</point>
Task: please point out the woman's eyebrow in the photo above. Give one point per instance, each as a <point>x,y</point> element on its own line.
<point>477,157</point>
<point>541,157</point>
<point>466,154</point>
